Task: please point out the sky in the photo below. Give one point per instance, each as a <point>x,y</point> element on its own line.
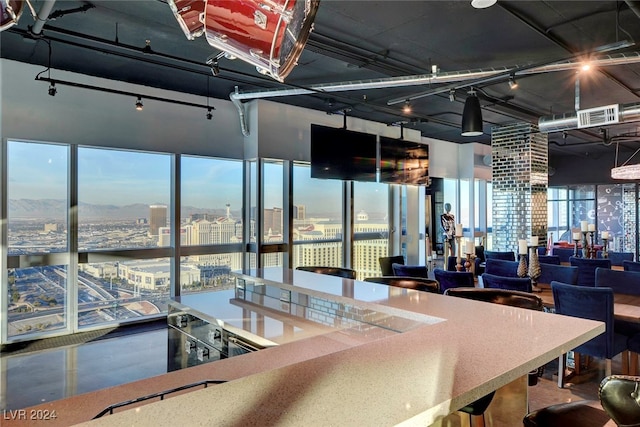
<point>119,177</point>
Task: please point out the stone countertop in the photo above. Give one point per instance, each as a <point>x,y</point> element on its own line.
<point>409,378</point>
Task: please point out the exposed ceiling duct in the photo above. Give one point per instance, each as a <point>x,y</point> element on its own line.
<point>592,117</point>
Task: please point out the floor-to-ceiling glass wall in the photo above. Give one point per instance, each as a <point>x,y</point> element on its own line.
<point>37,238</point>
<point>123,210</point>
<point>317,219</point>
<point>211,225</point>
<point>370,227</point>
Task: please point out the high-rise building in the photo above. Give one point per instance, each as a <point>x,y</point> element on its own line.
<point>157,218</point>
<point>272,221</point>
<point>299,212</point>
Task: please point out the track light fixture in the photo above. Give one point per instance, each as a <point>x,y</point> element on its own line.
<point>209,113</point>
<point>407,107</point>
<point>472,116</point>
<point>513,84</point>
<point>452,95</point>
<point>139,105</point>
<point>52,89</point>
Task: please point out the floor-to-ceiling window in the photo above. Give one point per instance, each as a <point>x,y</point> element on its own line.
<point>37,237</point>
<point>317,219</point>
<point>123,210</point>
<point>211,226</point>
<point>370,227</point>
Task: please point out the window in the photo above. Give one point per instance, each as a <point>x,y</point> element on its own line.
<point>124,200</point>
<point>370,227</point>
<point>317,219</point>
<point>37,193</point>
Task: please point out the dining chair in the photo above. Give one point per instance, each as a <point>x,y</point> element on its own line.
<point>587,269</point>
<point>617,402</point>
<point>595,304</point>
<point>416,283</point>
<point>559,273</point>
<point>627,283</point>
<point>631,266</point>
<point>410,270</point>
<point>616,258</point>
<point>549,259</point>
<point>479,261</point>
<point>622,282</point>
<point>505,255</point>
<point>512,298</point>
<point>499,296</point>
<point>345,273</point>
<point>452,261</point>
<point>542,250</point>
<point>501,267</point>
<point>522,284</point>
<point>386,261</point>
<point>563,253</point>
<point>453,279</point>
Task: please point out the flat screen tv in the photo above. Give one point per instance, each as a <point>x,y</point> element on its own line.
<point>342,154</point>
<point>403,162</point>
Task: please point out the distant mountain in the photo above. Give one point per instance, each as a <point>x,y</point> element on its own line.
<point>55,209</point>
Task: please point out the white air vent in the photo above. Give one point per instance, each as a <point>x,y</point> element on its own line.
<point>598,116</point>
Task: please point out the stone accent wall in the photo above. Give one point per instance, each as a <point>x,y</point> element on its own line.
<point>520,158</point>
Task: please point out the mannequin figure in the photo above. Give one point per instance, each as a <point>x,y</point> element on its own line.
<point>448,221</point>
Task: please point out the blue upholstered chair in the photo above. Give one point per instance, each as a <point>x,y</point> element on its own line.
<point>589,303</point>
<point>622,282</point>
<point>451,263</point>
<point>542,251</point>
<point>506,255</point>
<point>453,279</point>
<point>549,259</point>
<point>559,273</point>
<point>416,283</point>
<point>616,258</point>
<point>587,269</point>
<point>563,253</point>
<point>501,267</point>
<point>386,261</point>
<point>410,270</point>
<point>631,265</point>
<point>345,273</point>
<point>522,284</point>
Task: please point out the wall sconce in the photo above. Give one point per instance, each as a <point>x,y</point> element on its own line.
<point>139,105</point>
<point>472,116</point>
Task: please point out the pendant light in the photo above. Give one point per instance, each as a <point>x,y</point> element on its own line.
<point>472,116</point>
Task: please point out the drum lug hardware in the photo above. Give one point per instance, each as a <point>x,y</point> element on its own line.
<point>260,19</point>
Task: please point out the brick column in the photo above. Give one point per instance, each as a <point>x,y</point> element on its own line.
<point>520,158</point>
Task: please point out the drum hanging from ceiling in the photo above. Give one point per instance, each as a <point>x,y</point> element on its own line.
<point>11,12</point>
<point>190,16</point>
<point>269,34</point>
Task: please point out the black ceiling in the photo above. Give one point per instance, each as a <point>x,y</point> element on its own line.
<point>360,40</point>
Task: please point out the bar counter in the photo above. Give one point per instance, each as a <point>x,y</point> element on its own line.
<point>440,354</point>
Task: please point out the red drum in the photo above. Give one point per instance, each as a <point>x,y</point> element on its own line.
<point>269,34</point>
<point>11,12</point>
<point>190,16</point>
